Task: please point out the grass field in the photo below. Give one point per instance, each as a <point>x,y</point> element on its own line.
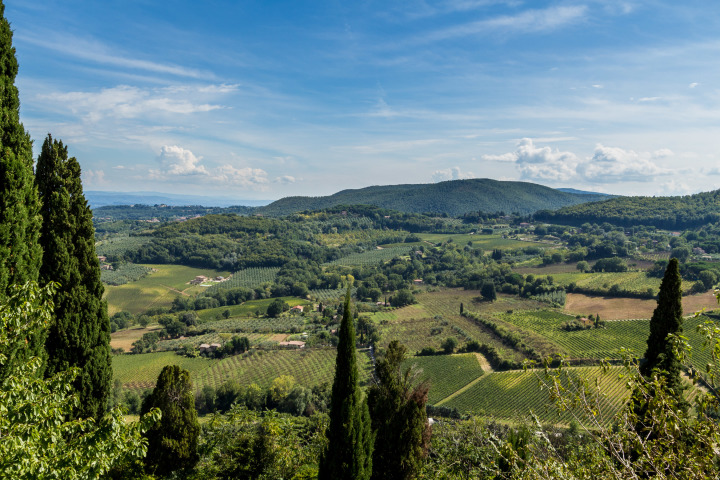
<point>158,289</point>
<point>446,373</point>
<point>125,338</point>
<point>486,242</point>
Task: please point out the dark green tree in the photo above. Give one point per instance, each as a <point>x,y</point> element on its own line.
<point>666,319</point>
<point>173,441</point>
<point>397,408</point>
<point>79,335</point>
<point>20,252</point>
<point>350,439</point>
<point>488,291</point>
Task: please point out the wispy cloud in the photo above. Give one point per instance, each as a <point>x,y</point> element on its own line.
<point>94,51</point>
<point>528,21</point>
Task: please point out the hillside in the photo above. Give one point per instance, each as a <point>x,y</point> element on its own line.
<point>662,212</point>
<point>455,197</point>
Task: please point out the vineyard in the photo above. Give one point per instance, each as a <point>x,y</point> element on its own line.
<point>141,371</point>
<point>327,296</point>
<point>446,373</point>
<point>309,367</point>
<point>514,395</point>
<point>215,337</point>
<point>119,245</point>
<point>291,323</point>
<point>247,278</point>
<point>372,257</point>
<point>124,273</point>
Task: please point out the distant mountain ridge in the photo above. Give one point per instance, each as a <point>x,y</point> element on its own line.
<point>101,198</point>
<point>454,197</point>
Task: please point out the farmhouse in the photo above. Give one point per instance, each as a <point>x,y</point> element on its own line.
<point>199,279</point>
<point>292,344</point>
<point>297,308</point>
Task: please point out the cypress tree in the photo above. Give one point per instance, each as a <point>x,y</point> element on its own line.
<point>399,420</point>
<point>79,335</point>
<point>173,441</point>
<point>666,319</point>
<point>20,251</point>
<point>350,439</point>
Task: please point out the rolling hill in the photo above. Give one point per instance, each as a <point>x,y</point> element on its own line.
<point>454,197</point>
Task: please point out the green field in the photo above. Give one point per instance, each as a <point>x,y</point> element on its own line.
<point>309,367</point>
<point>141,371</point>
<point>446,373</point>
<point>630,281</point>
<point>246,309</point>
<point>513,395</point>
<point>486,242</point>
<point>248,278</point>
<point>372,257</point>
<point>158,289</point>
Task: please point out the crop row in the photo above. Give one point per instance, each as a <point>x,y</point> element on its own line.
<point>515,394</point>
<point>247,278</point>
<point>372,257</point>
<point>445,373</point>
<point>124,273</point>
<point>119,245</point>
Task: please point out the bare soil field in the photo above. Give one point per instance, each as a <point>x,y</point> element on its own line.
<point>628,308</point>
<point>125,338</point>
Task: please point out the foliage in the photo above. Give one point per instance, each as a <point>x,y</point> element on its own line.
<point>350,440</point>
<point>662,212</point>
<point>277,307</point>
<point>172,443</point>
<point>80,333</point>
<point>40,436</point>
<point>249,445</point>
<point>397,408</point>
<point>665,323</point>
<point>452,198</point>
<point>20,252</point>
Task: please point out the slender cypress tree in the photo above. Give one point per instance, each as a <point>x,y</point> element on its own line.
<point>666,319</point>
<point>80,333</point>
<point>350,439</point>
<point>20,252</point>
<point>173,441</point>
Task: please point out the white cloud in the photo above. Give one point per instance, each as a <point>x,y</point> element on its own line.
<point>539,163</point>
<point>453,173</point>
<point>285,179</point>
<point>93,177</point>
<point>613,164</point>
<point>693,85</point>
<point>176,160</point>
<point>244,177</point>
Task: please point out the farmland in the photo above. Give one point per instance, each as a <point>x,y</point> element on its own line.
<point>446,373</point>
<point>486,242</point>
<point>371,257</point>
<point>157,289</point>
<point>247,278</point>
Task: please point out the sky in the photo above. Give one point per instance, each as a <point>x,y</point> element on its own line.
<point>266,99</point>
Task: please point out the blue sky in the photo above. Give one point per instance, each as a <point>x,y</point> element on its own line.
<point>264,99</point>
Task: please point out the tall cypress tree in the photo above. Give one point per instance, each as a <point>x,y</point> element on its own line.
<point>666,319</point>
<point>20,252</point>
<point>80,333</point>
<point>350,439</point>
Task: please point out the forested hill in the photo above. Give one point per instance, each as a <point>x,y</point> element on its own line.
<point>662,212</point>
<point>455,197</point>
